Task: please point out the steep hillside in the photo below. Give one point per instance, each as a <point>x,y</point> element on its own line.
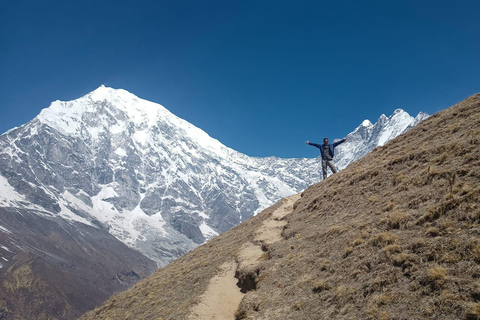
<point>396,235</point>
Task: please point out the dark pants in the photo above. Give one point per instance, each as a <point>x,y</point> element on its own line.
<point>330,164</point>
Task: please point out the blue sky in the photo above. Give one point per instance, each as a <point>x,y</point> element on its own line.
<point>260,76</point>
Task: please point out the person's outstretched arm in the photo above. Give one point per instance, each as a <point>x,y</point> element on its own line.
<point>314,144</point>
<point>339,142</point>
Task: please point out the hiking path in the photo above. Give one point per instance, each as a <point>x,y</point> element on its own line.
<point>222,297</point>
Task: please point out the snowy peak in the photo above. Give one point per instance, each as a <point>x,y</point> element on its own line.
<point>396,124</point>
<point>111,111</point>
<point>420,117</point>
<point>366,123</point>
<point>367,136</point>
<point>115,105</point>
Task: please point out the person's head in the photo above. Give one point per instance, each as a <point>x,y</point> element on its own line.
<point>325,140</point>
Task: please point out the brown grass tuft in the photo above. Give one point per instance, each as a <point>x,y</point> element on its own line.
<point>473,311</point>
<point>358,242</point>
<point>383,239</point>
<point>393,248</point>
<point>297,305</point>
<point>320,285</point>
<point>437,273</point>
<point>436,276</point>
<point>432,232</point>
<point>396,220</point>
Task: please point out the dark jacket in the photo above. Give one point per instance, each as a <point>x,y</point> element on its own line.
<point>331,146</point>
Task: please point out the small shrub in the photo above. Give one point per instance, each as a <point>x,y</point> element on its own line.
<point>389,206</point>
<point>418,244</point>
<point>473,311</point>
<point>341,292</point>
<point>474,214</point>
<point>474,137</point>
<point>448,204</point>
<point>384,238</point>
<point>404,260</point>
<point>298,305</point>
<point>356,272</point>
<point>447,223</point>
<point>432,214</point>
<point>396,220</point>
<point>320,285</point>
<point>437,275</point>
<point>348,251</point>
<point>475,252</point>
<point>393,248</point>
<point>475,292</point>
<point>358,242</point>
<point>451,257</point>
<point>409,224</point>
<point>374,304</point>
<point>336,230</point>
<point>399,179</point>
<point>240,314</point>
<point>441,159</point>
<point>381,299</point>
<point>432,232</point>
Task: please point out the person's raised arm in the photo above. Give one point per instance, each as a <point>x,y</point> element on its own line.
<point>339,142</point>
<point>314,144</point>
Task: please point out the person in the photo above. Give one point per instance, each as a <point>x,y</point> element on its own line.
<point>327,152</point>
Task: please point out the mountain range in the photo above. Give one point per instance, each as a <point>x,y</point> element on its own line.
<point>98,192</point>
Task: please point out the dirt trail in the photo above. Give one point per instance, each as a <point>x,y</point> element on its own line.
<point>222,297</point>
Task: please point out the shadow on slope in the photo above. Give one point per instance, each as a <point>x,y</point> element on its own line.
<point>60,270</point>
<point>393,236</point>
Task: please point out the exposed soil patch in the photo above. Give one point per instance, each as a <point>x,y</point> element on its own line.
<point>222,297</point>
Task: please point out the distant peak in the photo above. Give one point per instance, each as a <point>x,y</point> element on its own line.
<point>366,123</point>
<point>106,93</point>
<point>382,117</point>
<point>102,88</point>
<point>422,115</point>
<point>100,93</point>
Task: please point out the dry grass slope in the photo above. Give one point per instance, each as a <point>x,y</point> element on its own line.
<point>395,235</point>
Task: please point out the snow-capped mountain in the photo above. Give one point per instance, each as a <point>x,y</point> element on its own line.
<point>156,182</point>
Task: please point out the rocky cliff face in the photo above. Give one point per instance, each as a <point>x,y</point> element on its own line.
<point>115,175</point>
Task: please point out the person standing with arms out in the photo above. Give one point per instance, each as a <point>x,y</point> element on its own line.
<point>327,151</point>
